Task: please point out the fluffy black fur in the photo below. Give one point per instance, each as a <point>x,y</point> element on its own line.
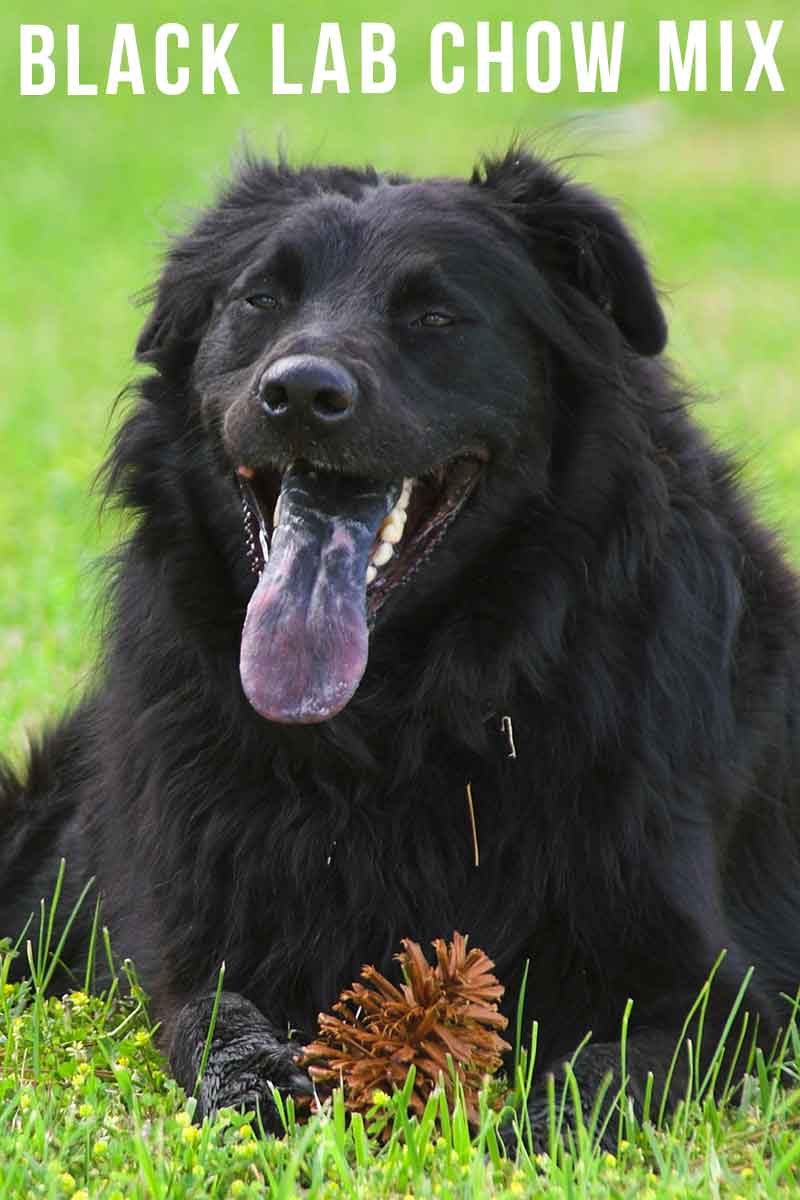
<point>606,586</point>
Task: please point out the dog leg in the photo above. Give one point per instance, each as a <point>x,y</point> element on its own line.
<point>247,1055</point>
<point>647,1051</point>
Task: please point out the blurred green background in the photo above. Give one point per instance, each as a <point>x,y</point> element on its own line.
<point>711,182</point>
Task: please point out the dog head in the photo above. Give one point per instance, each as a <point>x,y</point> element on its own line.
<point>366,353</point>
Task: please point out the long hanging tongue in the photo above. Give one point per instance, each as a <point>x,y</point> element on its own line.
<point>305,639</point>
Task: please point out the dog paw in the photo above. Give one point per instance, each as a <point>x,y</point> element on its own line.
<point>246,1060</point>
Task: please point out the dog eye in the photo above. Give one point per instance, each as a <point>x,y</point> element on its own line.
<point>434,320</point>
<point>262,300</point>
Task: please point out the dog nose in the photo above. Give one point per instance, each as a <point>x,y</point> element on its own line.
<point>304,387</point>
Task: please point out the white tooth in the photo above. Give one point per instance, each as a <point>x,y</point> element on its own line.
<point>371,573</point>
<point>392,530</point>
<point>382,555</point>
<point>276,516</point>
<point>262,537</point>
<point>405,494</point>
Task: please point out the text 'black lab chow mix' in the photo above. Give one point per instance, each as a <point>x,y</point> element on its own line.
<point>412,489</point>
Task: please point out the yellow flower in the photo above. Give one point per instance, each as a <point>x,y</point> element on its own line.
<point>380,1097</point>
<point>8,988</point>
<point>141,1037</point>
<point>190,1134</point>
<point>245,1131</point>
<point>183,1118</point>
<point>99,1148</point>
<point>81,1194</point>
<point>609,1159</point>
<point>67,1182</point>
<point>237,1187</point>
<point>24,1101</point>
<point>85,1110</point>
<point>78,999</point>
<point>122,1061</point>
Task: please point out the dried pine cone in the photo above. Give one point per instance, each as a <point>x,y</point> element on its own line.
<point>381,1029</point>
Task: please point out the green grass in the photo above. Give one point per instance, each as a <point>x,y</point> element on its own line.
<point>87,1109</point>
<point>712,185</point>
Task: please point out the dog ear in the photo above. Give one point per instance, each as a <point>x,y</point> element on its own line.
<point>181,309</point>
<point>201,262</point>
<point>578,240</point>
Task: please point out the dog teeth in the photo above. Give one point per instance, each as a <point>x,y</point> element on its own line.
<point>390,532</point>
<point>405,495</point>
<point>392,528</point>
<point>382,555</point>
<point>276,515</point>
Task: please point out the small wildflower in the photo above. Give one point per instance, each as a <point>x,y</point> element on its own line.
<point>516,1188</point>
<point>190,1134</point>
<point>746,1172</point>
<point>245,1149</point>
<point>610,1159</point>
<point>245,1131</point>
<point>25,1101</point>
<point>78,999</point>
<point>380,1098</point>
<point>624,1144</point>
<point>237,1187</point>
<point>81,1194</point>
<point>141,1037</point>
<point>183,1118</point>
<point>67,1182</point>
<point>85,1110</point>
<point>8,989</point>
<point>99,1148</point>
<point>122,1061</point>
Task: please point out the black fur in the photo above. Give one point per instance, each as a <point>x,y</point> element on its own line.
<point>607,587</point>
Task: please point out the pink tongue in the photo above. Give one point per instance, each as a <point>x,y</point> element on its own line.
<point>305,638</point>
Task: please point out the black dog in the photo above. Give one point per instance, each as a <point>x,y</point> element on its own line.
<point>408,464</point>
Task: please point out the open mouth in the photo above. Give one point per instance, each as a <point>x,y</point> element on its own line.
<point>329,550</point>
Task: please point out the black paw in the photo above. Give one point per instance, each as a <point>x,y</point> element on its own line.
<point>534,1138</point>
<point>247,1058</point>
<point>533,1130</point>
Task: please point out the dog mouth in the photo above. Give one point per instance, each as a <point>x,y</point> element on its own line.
<point>329,549</point>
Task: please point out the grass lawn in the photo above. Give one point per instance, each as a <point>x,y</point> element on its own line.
<point>711,183</point>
